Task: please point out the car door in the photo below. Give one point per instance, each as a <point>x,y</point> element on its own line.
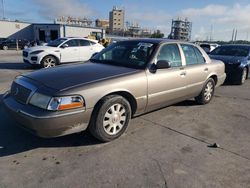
<point>166,86</point>
<point>85,50</point>
<point>197,70</point>
<point>70,53</point>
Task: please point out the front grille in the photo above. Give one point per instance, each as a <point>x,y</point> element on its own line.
<point>20,93</point>
<point>25,54</point>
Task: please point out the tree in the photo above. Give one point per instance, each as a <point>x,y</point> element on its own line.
<point>157,34</point>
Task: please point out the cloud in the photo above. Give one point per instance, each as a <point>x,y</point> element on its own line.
<point>149,19</point>
<point>223,18</point>
<point>209,10</point>
<point>50,9</point>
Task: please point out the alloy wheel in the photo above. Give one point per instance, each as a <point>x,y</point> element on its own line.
<point>244,75</point>
<point>209,89</point>
<point>114,119</point>
<point>49,62</point>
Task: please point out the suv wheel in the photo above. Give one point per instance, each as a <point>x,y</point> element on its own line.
<point>207,92</point>
<point>49,61</point>
<point>5,48</point>
<point>111,118</point>
<point>243,76</point>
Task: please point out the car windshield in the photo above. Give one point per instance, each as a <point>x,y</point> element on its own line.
<point>57,42</point>
<point>239,51</point>
<point>133,54</point>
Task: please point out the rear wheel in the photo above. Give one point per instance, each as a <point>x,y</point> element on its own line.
<point>5,47</point>
<point>207,92</point>
<point>110,119</point>
<point>49,61</point>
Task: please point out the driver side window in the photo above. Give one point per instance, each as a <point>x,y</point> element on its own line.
<point>170,53</point>
<point>72,43</point>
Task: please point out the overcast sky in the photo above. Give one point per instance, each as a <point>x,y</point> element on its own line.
<point>218,17</point>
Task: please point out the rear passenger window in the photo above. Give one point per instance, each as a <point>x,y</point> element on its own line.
<point>199,55</point>
<point>171,53</point>
<point>192,54</point>
<point>84,43</point>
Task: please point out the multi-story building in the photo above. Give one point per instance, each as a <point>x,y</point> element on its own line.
<point>68,20</point>
<point>181,30</point>
<point>116,20</point>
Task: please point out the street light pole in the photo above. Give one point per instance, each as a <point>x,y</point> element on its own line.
<point>3,9</point>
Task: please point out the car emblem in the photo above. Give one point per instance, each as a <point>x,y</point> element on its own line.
<point>16,91</point>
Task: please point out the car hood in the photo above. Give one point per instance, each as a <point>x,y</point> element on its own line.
<point>70,76</point>
<point>36,48</point>
<point>227,59</point>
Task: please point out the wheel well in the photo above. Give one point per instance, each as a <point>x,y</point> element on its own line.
<point>130,98</point>
<point>214,77</point>
<point>58,61</point>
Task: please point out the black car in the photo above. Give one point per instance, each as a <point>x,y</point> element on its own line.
<point>236,59</point>
<point>12,44</point>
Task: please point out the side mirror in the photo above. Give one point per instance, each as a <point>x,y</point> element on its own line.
<point>65,46</point>
<point>163,64</point>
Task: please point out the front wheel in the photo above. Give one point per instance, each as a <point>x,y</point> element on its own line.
<point>243,76</point>
<point>49,61</point>
<point>110,119</point>
<point>207,92</point>
<point>5,47</point>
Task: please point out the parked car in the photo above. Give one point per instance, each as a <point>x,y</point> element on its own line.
<point>61,50</point>
<point>2,40</point>
<point>14,43</point>
<point>208,47</point>
<point>237,61</point>
<point>126,79</point>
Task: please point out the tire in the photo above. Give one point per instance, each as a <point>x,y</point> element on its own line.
<point>110,118</point>
<point>49,61</point>
<point>207,92</point>
<point>5,47</point>
<point>243,77</point>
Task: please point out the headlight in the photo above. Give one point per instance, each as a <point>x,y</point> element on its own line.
<point>36,52</point>
<point>40,100</point>
<point>65,103</point>
<point>56,103</point>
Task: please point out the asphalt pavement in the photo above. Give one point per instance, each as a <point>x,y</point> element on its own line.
<point>171,147</point>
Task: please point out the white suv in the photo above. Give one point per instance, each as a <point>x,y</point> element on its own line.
<point>61,50</point>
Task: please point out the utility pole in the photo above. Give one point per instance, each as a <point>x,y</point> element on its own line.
<point>3,10</point>
<point>235,37</point>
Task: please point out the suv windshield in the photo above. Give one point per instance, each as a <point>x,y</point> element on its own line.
<point>239,51</point>
<point>56,43</point>
<point>133,54</point>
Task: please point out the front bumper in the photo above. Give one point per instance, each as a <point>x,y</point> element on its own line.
<point>45,123</point>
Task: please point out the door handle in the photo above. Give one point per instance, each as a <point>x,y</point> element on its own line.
<point>206,69</point>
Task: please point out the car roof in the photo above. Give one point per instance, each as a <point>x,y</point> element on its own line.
<point>237,45</point>
<point>67,38</point>
<point>155,40</point>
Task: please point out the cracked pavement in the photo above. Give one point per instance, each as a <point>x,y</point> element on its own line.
<point>164,148</point>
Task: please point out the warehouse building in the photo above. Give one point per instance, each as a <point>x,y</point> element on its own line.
<point>46,32</point>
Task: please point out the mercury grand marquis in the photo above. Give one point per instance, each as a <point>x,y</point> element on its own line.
<point>126,79</point>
